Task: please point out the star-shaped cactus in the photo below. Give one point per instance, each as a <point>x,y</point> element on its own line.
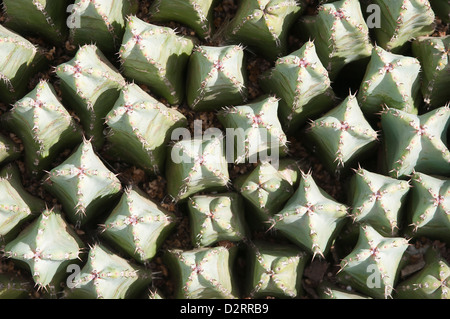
<point>138,225</point>
<point>311,218</point>
<point>303,86</point>
<point>203,273</point>
<point>257,130</point>
<point>429,214</point>
<point>196,14</point>
<point>90,85</point>
<point>9,150</point>
<point>214,218</point>
<point>391,80</point>
<point>216,77</point>
<point>101,21</point>
<point>275,270</point>
<point>343,136</point>
<point>83,184</point>
<point>378,200</point>
<point>340,34</point>
<point>44,125</point>
<point>108,276</point>
<point>263,25</point>
<point>47,247</point>
<point>416,142</point>
<point>196,165</point>
<point>140,123</point>
<point>13,286</point>
<point>402,21</point>
<point>143,60</point>
<point>16,204</point>
<point>432,282</point>
<point>433,54</point>
<point>373,265</point>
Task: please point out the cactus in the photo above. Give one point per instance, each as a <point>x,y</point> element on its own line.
<point>101,22</point>
<point>14,287</point>
<point>275,270</point>
<point>108,276</point>
<point>341,23</point>
<point>429,212</point>
<point>216,77</point>
<point>143,60</point>
<point>139,122</point>
<point>263,26</point>
<point>402,21</point>
<point>441,9</point>
<point>432,282</point>
<point>83,184</point>
<point>196,165</point>
<point>47,247</point>
<point>90,85</point>
<point>416,142</point>
<point>203,273</point>
<point>372,267</point>
<point>433,56</point>
<point>44,126</point>
<point>343,136</point>
<point>257,129</point>
<point>329,291</point>
<point>196,14</point>
<point>215,218</point>
<point>17,206</point>
<point>303,86</point>
<point>378,201</point>
<point>311,218</point>
<point>45,18</point>
<point>9,151</point>
<point>391,80</point>
<point>138,225</point>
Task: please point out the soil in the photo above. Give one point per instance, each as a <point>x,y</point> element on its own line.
<point>317,271</point>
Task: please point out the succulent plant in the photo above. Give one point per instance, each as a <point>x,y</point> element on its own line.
<point>45,18</point>
<point>196,165</point>
<point>434,58</point>
<point>378,201</point>
<point>17,206</point>
<point>275,270</point>
<point>216,77</point>
<point>90,85</point>
<point>257,131</point>
<point>108,276</point>
<point>83,185</point>
<point>372,267</point>
<point>143,60</point>
<point>402,21</point>
<point>101,22</point>
<point>303,86</point>
<point>47,247</point>
<point>263,25</point>
<point>9,151</point>
<point>14,287</point>
<point>340,34</point>
<point>214,218</point>
<point>44,125</point>
<point>329,291</point>
<point>429,212</point>
<point>442,9</point>
<point>141,123</point>
<point>203,273</point>
<point>196,14</point>
<point>342,136</point>
<point>391,80</point>
<point>416,142</point>
<point>311,218</point>
<point>138,225</point>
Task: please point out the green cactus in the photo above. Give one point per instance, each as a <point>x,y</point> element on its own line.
<point>14,287</point>
<point>139,122</point>
<point>143,60</point>
<point>90,85</point>
<point>329,291</point>
<point>303,86</point>
<point>9,151</point>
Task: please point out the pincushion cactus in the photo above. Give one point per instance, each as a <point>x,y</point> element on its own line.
<point>90,85</point>
<point>143,60</point>
<point>303,86</point>
<point>139,122</point>
<point>9,150</point>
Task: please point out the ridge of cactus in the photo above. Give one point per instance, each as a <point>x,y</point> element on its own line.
<point>9,151</point>
<point>327,290</point>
